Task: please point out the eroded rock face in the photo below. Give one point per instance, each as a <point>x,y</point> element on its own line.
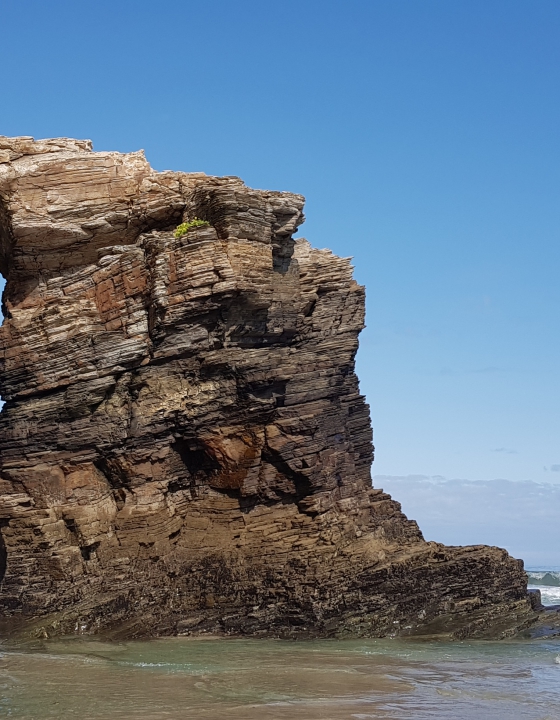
<point>184,447</point>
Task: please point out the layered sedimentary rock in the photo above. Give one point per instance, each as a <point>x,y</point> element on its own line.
<point>184,447</point>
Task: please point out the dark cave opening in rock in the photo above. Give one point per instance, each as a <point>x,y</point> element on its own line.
<point>197,459</point>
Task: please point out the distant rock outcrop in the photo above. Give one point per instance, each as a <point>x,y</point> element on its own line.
<point>184,447</point>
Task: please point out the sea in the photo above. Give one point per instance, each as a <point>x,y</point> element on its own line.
<point>215,678</point>
<point>547,580</point>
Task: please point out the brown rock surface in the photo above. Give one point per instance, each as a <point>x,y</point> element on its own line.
<point>184,447</point>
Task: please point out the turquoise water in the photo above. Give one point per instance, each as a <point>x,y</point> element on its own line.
<point>175,679</point>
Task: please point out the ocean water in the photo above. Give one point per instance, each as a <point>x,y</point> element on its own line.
<point>215,679</point>
<point>547,580</point>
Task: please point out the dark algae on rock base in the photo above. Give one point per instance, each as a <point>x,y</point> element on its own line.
<point>184,447</point>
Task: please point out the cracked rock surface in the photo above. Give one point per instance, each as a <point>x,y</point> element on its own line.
<point>184,448</point>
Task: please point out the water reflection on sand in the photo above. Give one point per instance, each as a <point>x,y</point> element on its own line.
<point>266,679</point>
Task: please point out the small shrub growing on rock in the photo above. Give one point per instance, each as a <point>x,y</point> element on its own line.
<point>183,228</point>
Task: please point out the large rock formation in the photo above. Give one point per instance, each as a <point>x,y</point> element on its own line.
<point>184,447</point>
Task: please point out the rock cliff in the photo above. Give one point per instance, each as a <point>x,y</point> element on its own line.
<point>184,447</point>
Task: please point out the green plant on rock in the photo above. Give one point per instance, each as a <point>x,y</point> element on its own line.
<point>183,228</point>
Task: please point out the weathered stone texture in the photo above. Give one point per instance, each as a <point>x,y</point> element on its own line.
<point>184,447</point>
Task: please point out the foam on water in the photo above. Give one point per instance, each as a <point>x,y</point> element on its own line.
<point>549,596</point>
<point>547,580</point>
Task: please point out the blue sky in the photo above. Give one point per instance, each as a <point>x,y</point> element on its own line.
<point>424,135</point>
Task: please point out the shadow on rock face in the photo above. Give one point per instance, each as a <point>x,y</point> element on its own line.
<point>3,555</point>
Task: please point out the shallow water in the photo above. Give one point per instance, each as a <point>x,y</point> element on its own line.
<point>172,679</point>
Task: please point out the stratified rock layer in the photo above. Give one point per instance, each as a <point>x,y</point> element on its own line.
<point>184,447</point>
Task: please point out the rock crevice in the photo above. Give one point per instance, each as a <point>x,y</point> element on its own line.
<point>184,447</point>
